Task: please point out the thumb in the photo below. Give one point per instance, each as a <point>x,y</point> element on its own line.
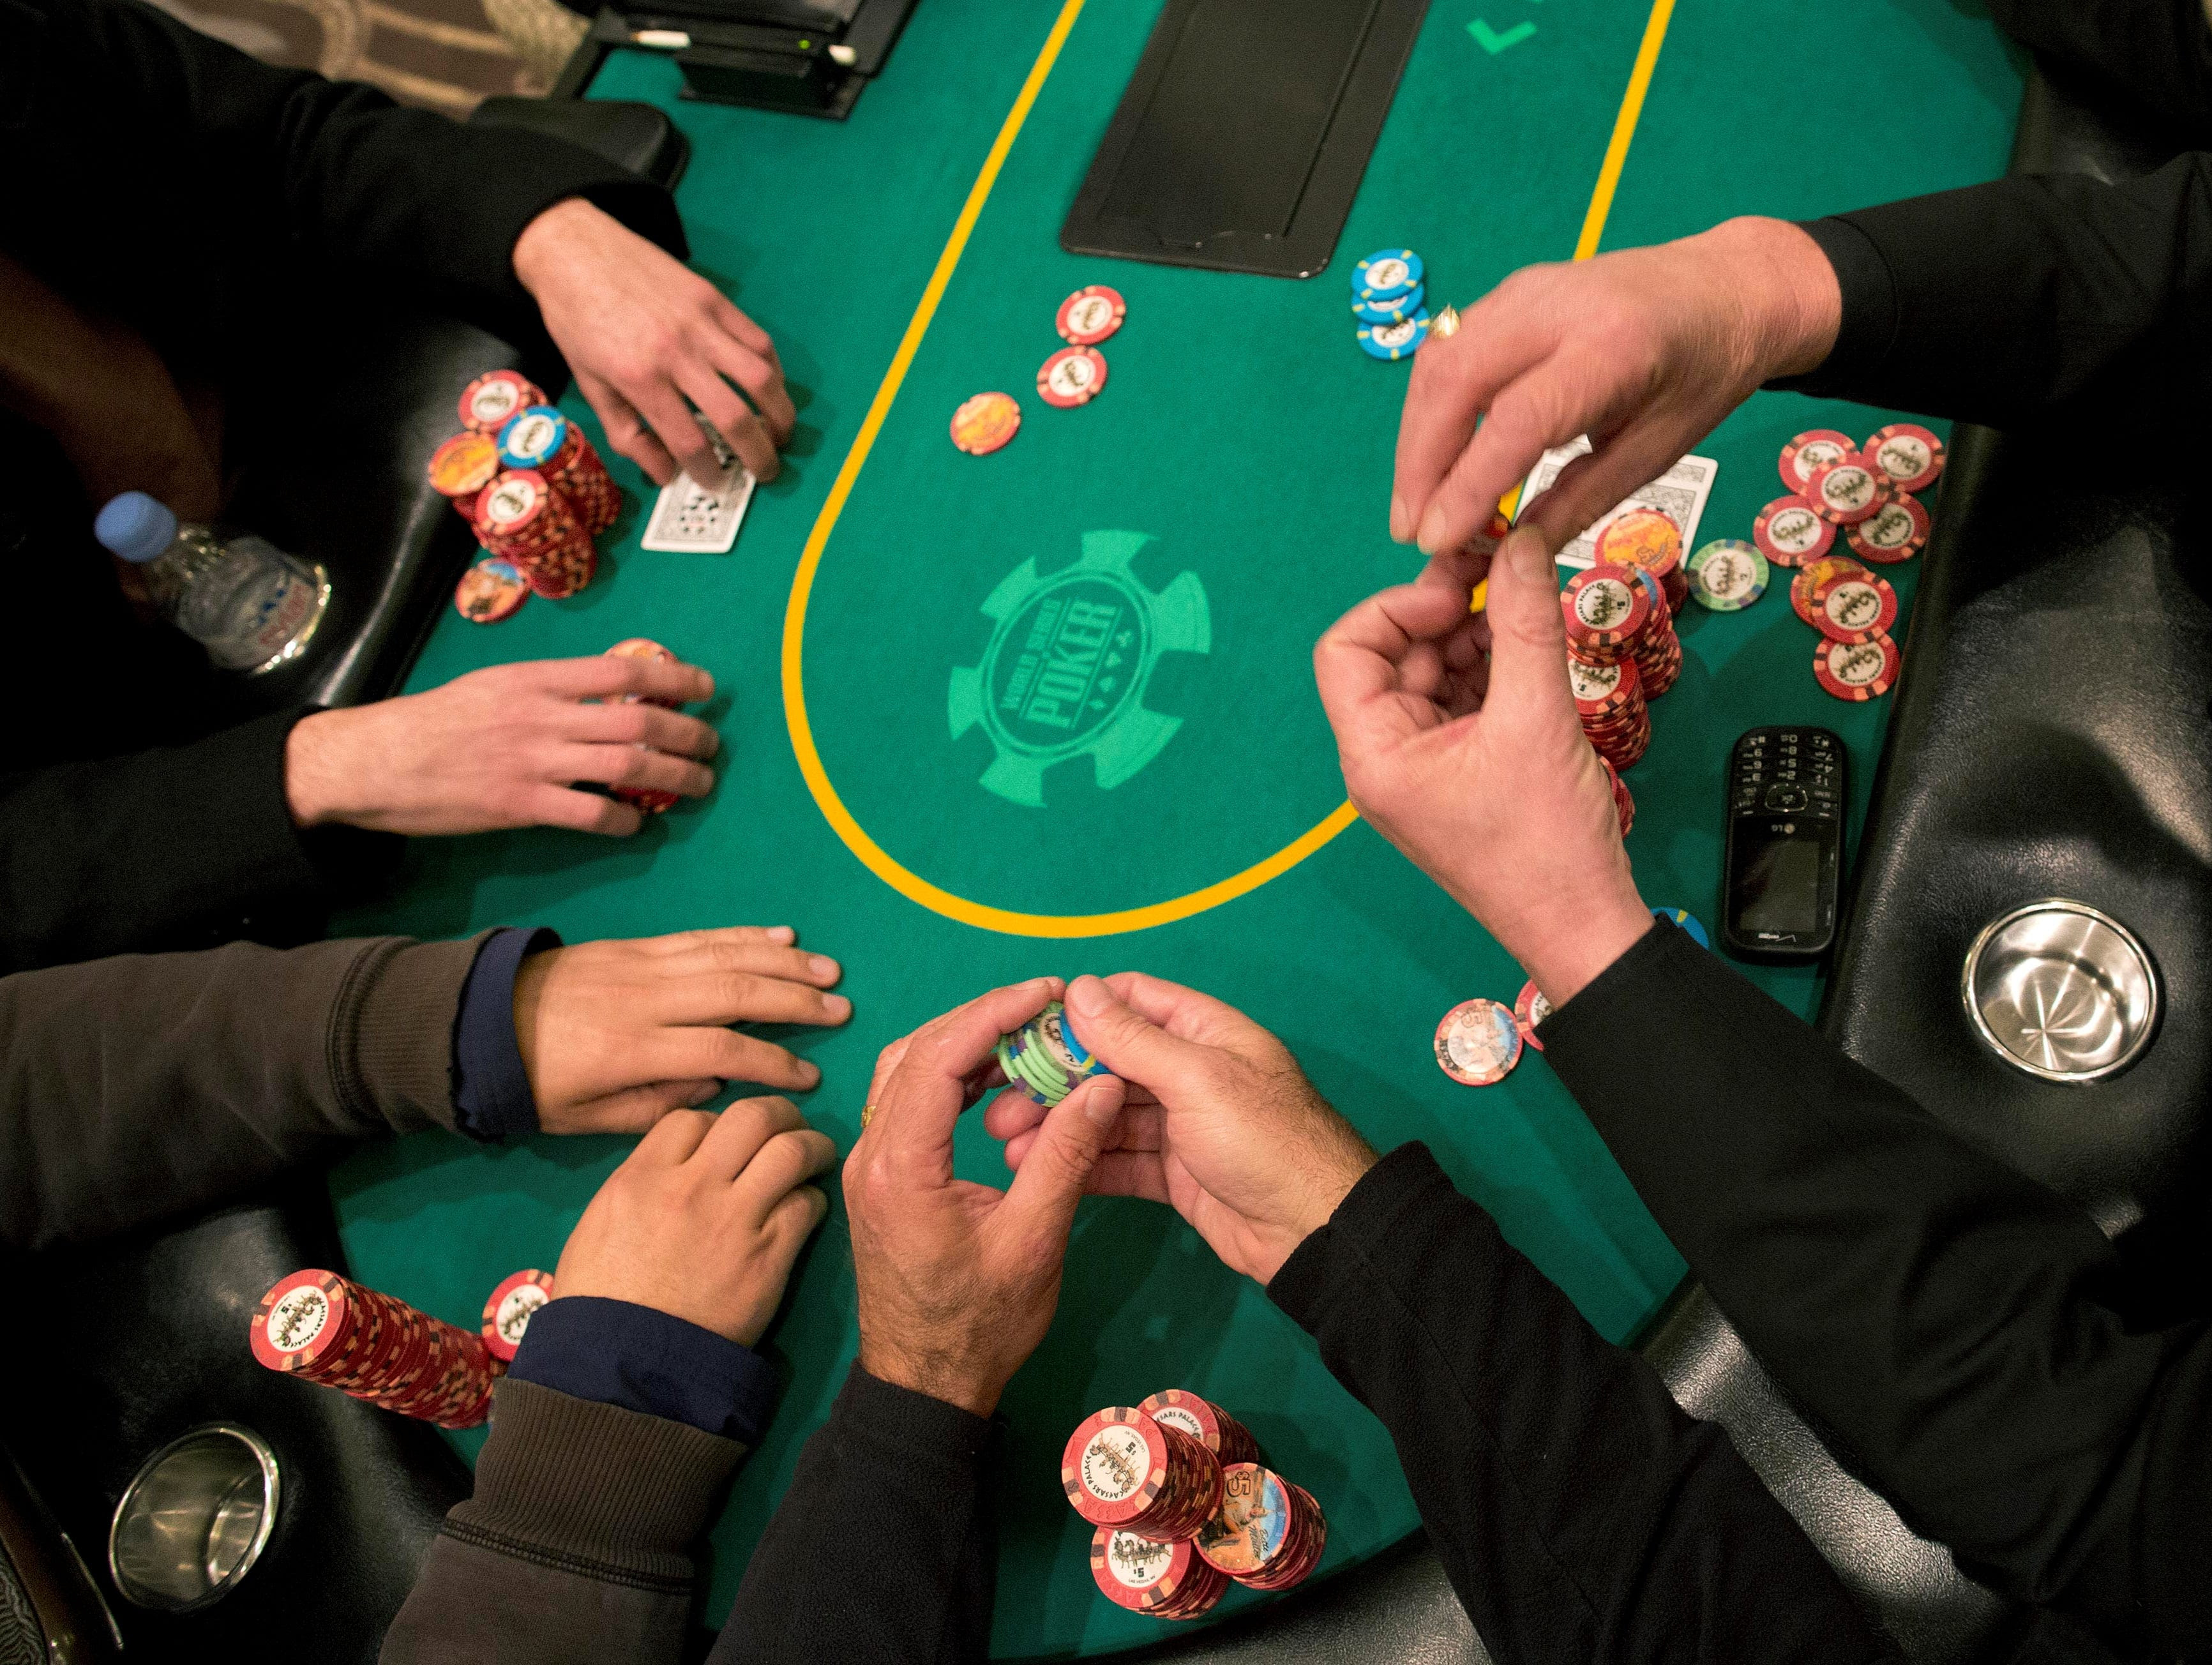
<point>1528,637</point>
<point>1056,1171</point>
<point>1125,1041</point>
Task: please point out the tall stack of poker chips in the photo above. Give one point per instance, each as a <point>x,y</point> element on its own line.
<point>507,1310</point>
<point>1389,318</point>
<point>541,438</point>
<point>522,520</point>
<point>1656,649</point>
<point>1607,608</point>
<point>652,799</point>
<point>330,1330</point>
<point>494,397</point>
<point>461,467</point>
<point>1044,1058</point>
<point>1175,1562</point>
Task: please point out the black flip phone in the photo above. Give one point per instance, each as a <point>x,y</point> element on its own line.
<point>1784,874</point>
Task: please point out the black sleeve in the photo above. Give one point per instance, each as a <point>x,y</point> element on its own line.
<point>113,102</point>
<point>1580,1514</point>
<point>2149,56</point>
<point>1943,1316</point>
<point>2003,301</point>
<point>178,848</point>
<point>887,1527</point>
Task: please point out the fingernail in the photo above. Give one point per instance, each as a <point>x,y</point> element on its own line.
<point>809,1073</point>
<point>837,1007</point>
<point>1102,1107</point>
<point>1431,538</point>
<point>783,933</point>
<point>1088,995</point>
<point>823,966</point>
<point>1398,518</point>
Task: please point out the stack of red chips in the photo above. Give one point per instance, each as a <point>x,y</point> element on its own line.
<point>1123,1468</point>
<point>1623,802</point>
<point>494,399</point>
<point>1213,1427</point>
<point>1169,1580</point>
<point>1657,650</point>
<point>521,519</point>
<point>1607,608</point>
<point>652,799</point>
<point>330,1330</point>
<point>1269,1533</point>
<point>506,1313</point>
<point>541,438</point>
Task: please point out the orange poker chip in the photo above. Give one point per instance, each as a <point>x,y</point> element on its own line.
<point>490,591</point>
<point>985,423</point>
<point>1642,538</point>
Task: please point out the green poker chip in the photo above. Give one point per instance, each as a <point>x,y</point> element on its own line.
<point>1728,575</point>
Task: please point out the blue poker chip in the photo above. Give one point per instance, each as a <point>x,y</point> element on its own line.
<point>1385,274</point>
<point>1688,921</point>
<point>1394,311</point>
<point>1393,341</point>
<point>533,437</point>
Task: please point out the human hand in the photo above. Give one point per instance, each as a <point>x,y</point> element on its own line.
<point>1481,773</point>
<point>501,747</point>
<point>643,333</point>
<point>1644,350</point>
<point>615,1033</point>
<point>1220,1121</point>
<point>705,1217</point>
<point>958,1282</point>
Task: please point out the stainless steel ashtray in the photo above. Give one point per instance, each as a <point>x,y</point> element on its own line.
<point>194,1519</point>
<point>2062,991</point>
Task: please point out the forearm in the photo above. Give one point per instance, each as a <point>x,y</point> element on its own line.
<point>1936,1309</point>
<point>1579,1513</point>
<point>139,1087</point>
<point>577,1545</point>
<point>893,1481</point>
<point>2008,300</point>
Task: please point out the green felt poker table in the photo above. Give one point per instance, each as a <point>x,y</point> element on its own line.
<point>1226,493</point>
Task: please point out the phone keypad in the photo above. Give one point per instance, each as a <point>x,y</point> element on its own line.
<point>1788,771</point>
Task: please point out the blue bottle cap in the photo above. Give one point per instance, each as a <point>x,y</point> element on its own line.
<point>135,526</point>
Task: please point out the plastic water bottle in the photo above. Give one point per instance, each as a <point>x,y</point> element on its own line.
<point>251,605</point>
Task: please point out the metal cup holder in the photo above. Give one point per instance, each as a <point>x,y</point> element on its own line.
<point>2061,991</point>
<point>194,1519</point>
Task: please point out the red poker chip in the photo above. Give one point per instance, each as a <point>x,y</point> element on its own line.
<point>1907,454</point>
<point>304,1322</point>
<point>1530,1008</point>
<point>1790,531</point>
<point>1605,606</point>
<point>1854,607</point>
<point>1809,451</point>
<point>1857,670</point>
<point>1601,690</point>
<point>508,1310</point>
<point>1071,377</point>
<point>1090,314</point>
<point>1896,532</point>
<point>1847,491</point>
<point>1113,1465</point>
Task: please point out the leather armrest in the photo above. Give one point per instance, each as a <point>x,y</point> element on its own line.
<point>637,136</point>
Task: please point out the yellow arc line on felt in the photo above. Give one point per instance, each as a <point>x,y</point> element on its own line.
<point>873,855</point>
<point>1608,181</point>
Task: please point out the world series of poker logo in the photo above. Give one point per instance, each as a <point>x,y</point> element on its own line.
<point>1065,673</point>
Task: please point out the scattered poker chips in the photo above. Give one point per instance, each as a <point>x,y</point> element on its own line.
<point>1091,315</point>
<point>1810,452</point>
<point>1268,1534</point>
<point>1205,1422</point>
<point>1478,1042</point>
<point>1394,341</point>
<point>521,519</point>
<point>653,800</point>
<point>541,438</point>
<point>1168,1580</point>
<point>985,423</point>
<point>1896,532</point>
<point>1728,575</point>
<point>1122,1468</point>
<point>462,467</point>
<point>1810,578</point>
<point>1387,273</point>
<point>1530,1008</point>
<point>1044,1058</point>
<point>1071,377</point>
<point>508,1310</point>
<point>1686,921</point>
<point>1846,490</point>
<point>331,1331</point>
<point>1854,606</point>
<point>489,401</point>
<point>1908,455</point>
<point>1857,670</point>
<point>489,591</point>
<point>1789,532</point>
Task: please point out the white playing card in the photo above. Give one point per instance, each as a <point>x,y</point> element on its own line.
<point>689,517</point>
<point>1679,494</point>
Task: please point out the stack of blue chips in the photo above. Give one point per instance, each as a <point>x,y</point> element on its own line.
<point>1388,298</point>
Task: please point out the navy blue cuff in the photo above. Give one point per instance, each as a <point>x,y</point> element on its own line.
<point>491,1090</point>
<point>646,1360</point>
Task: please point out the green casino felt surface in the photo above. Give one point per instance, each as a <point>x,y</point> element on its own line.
<point>912,779</point>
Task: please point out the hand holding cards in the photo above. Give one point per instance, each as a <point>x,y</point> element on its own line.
<point>689,517</point>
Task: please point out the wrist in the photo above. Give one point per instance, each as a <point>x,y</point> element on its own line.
<point>312,777</point>
<point>1565,956</point>
<point>539,247</point>
<point>953,1381</point>
<point>1797,302</point>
